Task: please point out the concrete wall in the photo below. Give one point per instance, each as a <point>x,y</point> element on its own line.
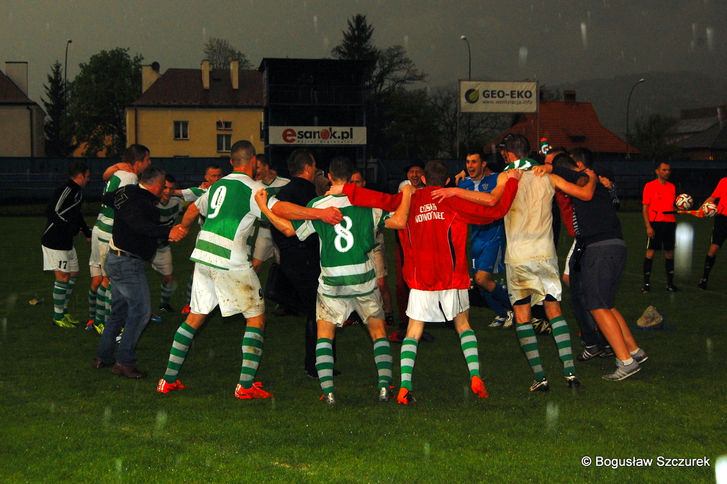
<point>15,131</point>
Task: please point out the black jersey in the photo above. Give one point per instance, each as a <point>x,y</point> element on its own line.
<point>64,217</point>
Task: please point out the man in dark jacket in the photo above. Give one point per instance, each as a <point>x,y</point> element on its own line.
<point>135,237</point>
<point>59,255</point>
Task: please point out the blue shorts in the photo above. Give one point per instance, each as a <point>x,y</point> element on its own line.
<point>488,255</point>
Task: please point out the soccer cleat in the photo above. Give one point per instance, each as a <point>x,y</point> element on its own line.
<point>607,352</point>
<point>645,288</point>
<point>166,308</point>
<point>99,327</point>
<point>572,381</point>
<point>185,310</point>
<point>328,398</point>
<point>702,284</point>
<point>622,371</point>
<point>165,387</point>
<point>70,319</point>
<point>405,397</point>
<point>384,394</point>
<point>89,325</point>
<point>396,337</point>
<point>589,352</point>
<point>155,318</point>
<point>255,391</point>
<point>541,326</point>
<point>497,322</point>
<point>540,385</point>
<point>509,320</point>
<point>640,356</point>
<point>478,387</point>
<point>62,323</point>
<point>671,288</point>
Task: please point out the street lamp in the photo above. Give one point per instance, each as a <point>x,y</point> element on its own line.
<point>469,57</point>
<point>628,106</point>
<point>65,71</point>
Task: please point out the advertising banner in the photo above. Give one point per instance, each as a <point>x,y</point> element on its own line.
<point>498,97</point>
<point>317,135</point>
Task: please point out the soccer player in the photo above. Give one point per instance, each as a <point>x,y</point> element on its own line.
<point>170,208</point>
<point>347,281</point>
<point>264,247</point>
<point>134,161</point>
<point>719,233</point>
<point>660,222</point>
<point>435,264</point>
<point>64,222</point>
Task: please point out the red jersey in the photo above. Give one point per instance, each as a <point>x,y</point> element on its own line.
<point>435,238</point>
<point>659,197</point>
<point>721,193</point>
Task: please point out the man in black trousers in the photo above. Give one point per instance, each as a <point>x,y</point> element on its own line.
<point>134,242</point>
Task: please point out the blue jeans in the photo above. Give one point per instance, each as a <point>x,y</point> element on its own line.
<point>130,309</point>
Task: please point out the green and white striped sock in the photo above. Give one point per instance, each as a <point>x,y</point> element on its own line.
<point>100,305</point>
<point>561,335</point>
<point>69,291</point>
<point>91,304</point>
<point>166,292</point>
<point>468,342</point>
<point>178,352</point>
<point>324,363</point>
<point>408,358</point>
<point>529,344</point>
<point>252,351</point>
<point>59,299</point>
<point>384,362</point>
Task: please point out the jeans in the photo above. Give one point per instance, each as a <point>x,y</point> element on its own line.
<point>130,309</point>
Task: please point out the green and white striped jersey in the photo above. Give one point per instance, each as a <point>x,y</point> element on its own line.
<point>169,213</point>
<point>105,220</point>
<point>191,194</point>
<point>230,212</point>
<point>272,188</point>
<point>346,269</point>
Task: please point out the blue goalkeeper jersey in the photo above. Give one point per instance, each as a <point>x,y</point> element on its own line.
<point>489,232</point>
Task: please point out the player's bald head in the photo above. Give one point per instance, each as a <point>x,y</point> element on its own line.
<point>242,153</point>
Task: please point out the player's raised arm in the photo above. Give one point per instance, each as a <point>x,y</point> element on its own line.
<point>400,216</point>
<point>474,213</point>
<point>109,172</point>
<point>481,198</point>
<point>584,192</point>
<point>280,223</point>
<point>291,211</point>
<point>363,197</point>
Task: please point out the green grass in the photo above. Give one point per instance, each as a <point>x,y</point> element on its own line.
<point>61,420</point>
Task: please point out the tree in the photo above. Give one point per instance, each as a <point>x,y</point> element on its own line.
<point>356,43</point>
<point>57,139</point>
<point>650,135</point>
<point>110,81</point>
<point>220,52</point>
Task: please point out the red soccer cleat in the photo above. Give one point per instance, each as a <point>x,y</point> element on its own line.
<point>405,397</point>
<point>165,387</point>
<point>186,310</point>
<point>478,387</point>
<point>255,391</point>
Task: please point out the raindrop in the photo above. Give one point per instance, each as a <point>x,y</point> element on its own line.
<point>11,301</point>
<point>710,347</point>
<point>584,35</point>
<point>326,42</point>
<point>694,30</point>
<point>161,420</point>
<point>427,449</point>
<point>523,56</point>
<point>106,416</point>
<point>52,407</point>
<point>210,354</point>
<point>710,38</point>
<point>552,412</point>
<point>406,42</point>
<point>119,465</point>
<point>315,23</point>
<point>4,323</point>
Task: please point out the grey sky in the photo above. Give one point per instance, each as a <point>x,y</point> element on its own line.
<point>551,40</point>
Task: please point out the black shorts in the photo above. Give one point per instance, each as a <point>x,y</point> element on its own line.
<point>664,236</point>
<point>600,273</point>
<point>719,233</point>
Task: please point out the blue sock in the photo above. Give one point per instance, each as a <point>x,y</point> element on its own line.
<point>500,294</point>
<point>493,303</point>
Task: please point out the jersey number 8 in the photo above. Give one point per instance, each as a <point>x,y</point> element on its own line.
<point>344,238</point>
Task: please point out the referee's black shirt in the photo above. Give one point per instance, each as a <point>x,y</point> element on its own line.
<point>64,217</point>
<point>299,191</point>
<point>136,221</point>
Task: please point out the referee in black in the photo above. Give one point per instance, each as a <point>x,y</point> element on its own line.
<point>134,241</point>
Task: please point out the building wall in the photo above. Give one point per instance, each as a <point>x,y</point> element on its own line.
<point>154,127</point>
<point>15,131</point>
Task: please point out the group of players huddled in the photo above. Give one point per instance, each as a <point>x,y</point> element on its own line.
<point>512,217</point>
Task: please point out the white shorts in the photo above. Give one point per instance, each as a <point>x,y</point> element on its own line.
<point>536,278</point>
<point>437,306</point>
<point>377,258</point>
<point>337,309</point>
<point>162,261</point>
<point>265,248</point>
<point>566,269</point>
<point>99,252</point>
<point>60,260</point>
<point>234,291</point>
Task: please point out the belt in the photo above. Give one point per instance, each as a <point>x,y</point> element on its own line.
<point>123,253</point>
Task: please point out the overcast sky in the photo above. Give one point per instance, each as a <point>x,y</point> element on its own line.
<point>550,40</point>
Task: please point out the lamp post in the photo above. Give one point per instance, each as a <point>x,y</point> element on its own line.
<point>469,78</point>
<point>628,107</point>
<point>65,72</point>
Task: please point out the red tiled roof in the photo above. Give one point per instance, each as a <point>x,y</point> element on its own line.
<point>570,125</point>
<point>183,87</point>
<point>10,93</point>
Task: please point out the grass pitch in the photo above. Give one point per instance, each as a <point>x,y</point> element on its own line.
<point>62,421</point>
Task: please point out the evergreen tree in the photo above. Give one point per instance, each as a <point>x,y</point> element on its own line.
<point>357,43</point>
<point>57,139</point>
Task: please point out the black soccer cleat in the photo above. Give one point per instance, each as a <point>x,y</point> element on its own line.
<point>671,288</point>
<point>645,288</point>
<point>539,386</point>
<point>572,381</point>
<point>702,284</point>
<point>166,308</point>
<point>589,352</point>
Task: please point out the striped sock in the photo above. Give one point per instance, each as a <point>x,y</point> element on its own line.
<point>59,299</point>
<point>91,304</point>
<point>468,342</point>
<point>178,352</point>
<point>529,344</point>
<point>561,335</point>
<point>100,305</point>
<point>166,292</point>
<point>324,363</point>
<point>69,291</point>
<point>252,351</point>
<point>384,362</point>
<point>408,358</point>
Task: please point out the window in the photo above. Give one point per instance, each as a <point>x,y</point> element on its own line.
<point>224,142</point>
<point>224,125</point>
<point>181,129</point>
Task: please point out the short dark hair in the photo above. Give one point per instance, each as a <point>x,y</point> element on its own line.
<point>657,164</point>
<point>298,160</point>
<point>242,152</point>
<point>135,153</point>
<point>584,155</point>
<point>518,144</point>
<point>436,173</point>
<point>212,166</point>
<point>564,160</point>
<point>77,167</point>
<point>170,178</point>
<point>359,171</point>
<point>341,168</point>
<point>262,159</point>
<point>151,174</point>
<point>475,151</point>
